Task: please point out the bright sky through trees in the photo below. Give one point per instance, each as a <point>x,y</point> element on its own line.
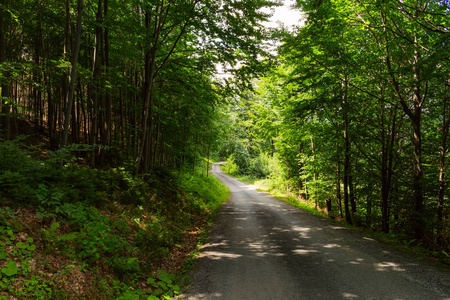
<point>286,14</point>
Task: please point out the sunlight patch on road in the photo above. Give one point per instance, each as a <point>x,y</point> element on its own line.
<point>349,295</point>
<point>357,262</point>
<point>302,230</point>
<point>224,243</point>
<point>303,251</point>
<point>215,255</point>
<point>388,266</point>
<point>338,227</point>
<point>329,246</point>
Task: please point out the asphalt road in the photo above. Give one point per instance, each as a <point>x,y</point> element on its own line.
<point>260,248</point>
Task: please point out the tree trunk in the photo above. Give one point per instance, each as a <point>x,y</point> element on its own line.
<point>442,165</point>
<point>209,148</point>
<point>144,159</point>
<point>338,188</point>
<point>347,167</point>
<point>316,197</point>
<point>348,217</point>
<point>107,128</point>
<point>418,220</point>
<point>195,154</point>
<point>72,78</point>
<point>384,177</point>
<point>6,87</point>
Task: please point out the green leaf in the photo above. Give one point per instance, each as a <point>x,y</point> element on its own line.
<point>21,245</point>
<point>152,282</point>
<point>131,260</point>
<point>11,268</point>
<point>163,285</point>
<point>68,237</point>
<point>54,226</point>
<point>31,247</point>
<point>152,298</point>
<point>30,240</point>
<point>176,289</point>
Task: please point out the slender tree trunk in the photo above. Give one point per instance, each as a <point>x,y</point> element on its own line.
<point>38,117</point>
<point>209,148</point>
<point>72,78</point>
<point>302,190</point>
<point>338,185</point>
<point>384,177</point>
<point>347,166</point>
<point>442,165</point>
<point>348,217</point>
<point>414,114</point>
<point>6,86</point>
<point>183,150</point>
<point>316,197</point>
<point>419,219</point>
<point>195,154</point>
<point>144,159</point>
<point>107,125</point>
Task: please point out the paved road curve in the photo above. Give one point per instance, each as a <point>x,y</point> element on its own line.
<point>261,248</point>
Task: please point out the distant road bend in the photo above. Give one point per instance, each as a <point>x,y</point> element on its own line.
<point>261,248</point>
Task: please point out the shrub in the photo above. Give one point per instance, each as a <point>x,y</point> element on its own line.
<point>259,167</point>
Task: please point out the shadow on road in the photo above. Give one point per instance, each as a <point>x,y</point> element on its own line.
<point>261,248</point>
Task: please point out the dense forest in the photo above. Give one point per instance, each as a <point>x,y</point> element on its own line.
<point>113,110</point>
<point>130,80</point>
<point>109,112</point>
<point>356,112</point>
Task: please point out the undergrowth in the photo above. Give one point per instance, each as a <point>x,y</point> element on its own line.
<point>71,232</point>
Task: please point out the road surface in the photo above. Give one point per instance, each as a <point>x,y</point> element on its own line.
<point>260,248</point>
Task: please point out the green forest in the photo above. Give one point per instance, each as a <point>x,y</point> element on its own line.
<point>112,112</point>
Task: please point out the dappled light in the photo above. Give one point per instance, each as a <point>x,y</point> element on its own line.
<point>388,266</point>
<point>271,242</point>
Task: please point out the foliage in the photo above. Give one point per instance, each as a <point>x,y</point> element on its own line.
<point>95,223</point>
<point>356,111</point>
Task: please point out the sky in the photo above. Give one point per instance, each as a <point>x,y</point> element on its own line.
<point>286,15</point>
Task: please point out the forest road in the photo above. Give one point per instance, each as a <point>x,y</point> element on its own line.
<point>260,248</point>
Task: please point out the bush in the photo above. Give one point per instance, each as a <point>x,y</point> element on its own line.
<point>231,167</point>
<point>259,167</point>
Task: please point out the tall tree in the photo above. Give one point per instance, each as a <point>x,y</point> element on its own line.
<point>72,78</point>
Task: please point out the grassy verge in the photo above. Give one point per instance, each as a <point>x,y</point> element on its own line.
<point>71,232</point>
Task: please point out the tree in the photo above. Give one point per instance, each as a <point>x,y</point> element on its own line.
<point>72,78</point>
